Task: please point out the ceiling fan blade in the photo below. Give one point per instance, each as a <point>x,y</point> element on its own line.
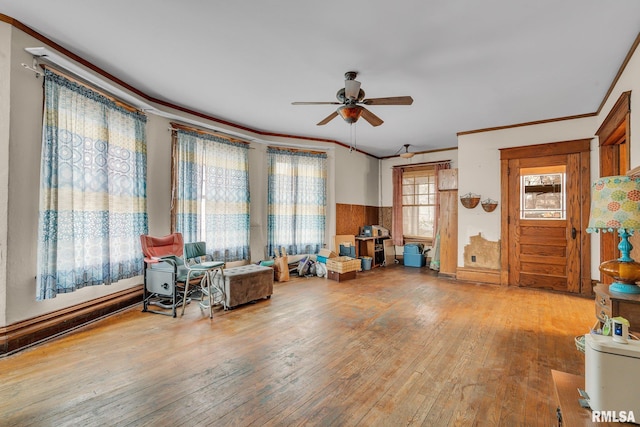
<point>316,103</point>
<point>370,117</point>
<point>351,88</point>
<point>393,100</point>
<point>328,118</point>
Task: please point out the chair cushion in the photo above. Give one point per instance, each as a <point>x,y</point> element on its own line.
<point>195,250</point>
<point>171,244</point>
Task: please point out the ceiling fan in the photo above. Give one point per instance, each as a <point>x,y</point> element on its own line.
<point>352,98</point>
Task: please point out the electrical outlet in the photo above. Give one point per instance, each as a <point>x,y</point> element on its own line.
<point>473,258</point>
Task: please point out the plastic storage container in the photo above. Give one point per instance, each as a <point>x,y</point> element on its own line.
<point>413,248</point>
<point>413,256</point>
<point>349,251</point>
<point>366,263</point>
<point>612,374</point>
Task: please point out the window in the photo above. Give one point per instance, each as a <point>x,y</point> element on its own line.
<point>92,189</point>
<point>542,193</point>
<point>211,192</point>
<point>419,201</point>
<point>296,201</point>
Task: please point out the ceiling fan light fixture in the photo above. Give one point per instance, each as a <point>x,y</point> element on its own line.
<point>407,154</point>
<point>350,113</point>
<point>352,89</point>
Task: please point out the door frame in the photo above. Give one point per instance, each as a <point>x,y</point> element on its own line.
<point>581,146</point>
<point>613,136</point>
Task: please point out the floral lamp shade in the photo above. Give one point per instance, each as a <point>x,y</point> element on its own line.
<point>615,204</point>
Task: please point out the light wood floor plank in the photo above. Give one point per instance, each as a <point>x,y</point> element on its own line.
<point>396,346</point>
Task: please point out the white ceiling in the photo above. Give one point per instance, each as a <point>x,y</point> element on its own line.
<point>468,64</point>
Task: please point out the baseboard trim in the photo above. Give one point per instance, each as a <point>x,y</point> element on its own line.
<point>20,335</point>
<point>481,275</point>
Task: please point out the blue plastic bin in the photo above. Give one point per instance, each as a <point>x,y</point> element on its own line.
<point>414,260</point>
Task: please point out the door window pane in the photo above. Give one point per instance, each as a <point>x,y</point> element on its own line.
<point>542,194</point>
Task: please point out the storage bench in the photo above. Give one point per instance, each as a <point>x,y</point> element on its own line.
<point>245,284</point>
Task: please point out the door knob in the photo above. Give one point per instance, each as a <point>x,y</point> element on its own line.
<point>574,232</point>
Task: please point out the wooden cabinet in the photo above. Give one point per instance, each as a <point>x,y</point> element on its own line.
<point>372,247</point>
<point>614,304</point>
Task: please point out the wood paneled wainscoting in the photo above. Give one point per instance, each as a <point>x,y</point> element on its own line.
<point>349,218</point>
<point>28,332</point>
<point>395,346</point>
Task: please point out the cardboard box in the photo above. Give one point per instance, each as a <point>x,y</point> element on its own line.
<point>326,253</point>
<point>340,277</point>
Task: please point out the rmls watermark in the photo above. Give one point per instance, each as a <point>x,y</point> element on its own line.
<point>613,417</point>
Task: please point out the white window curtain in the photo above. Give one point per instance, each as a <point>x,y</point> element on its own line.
<point>297,201</point>
<point>211,193</point>
<point>93,202</point>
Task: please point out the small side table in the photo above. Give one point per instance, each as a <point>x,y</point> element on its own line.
<point>614,304</point>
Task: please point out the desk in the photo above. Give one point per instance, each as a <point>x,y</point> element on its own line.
<point>566,387</point>
<point>372,247</point>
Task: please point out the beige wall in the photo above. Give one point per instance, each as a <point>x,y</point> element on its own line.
<point>20,141</point>
<point>5,114</point>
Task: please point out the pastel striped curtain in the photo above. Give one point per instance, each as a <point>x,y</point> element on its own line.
<point>212,193</point>
<point>93,202</point>
<point>296,211</point>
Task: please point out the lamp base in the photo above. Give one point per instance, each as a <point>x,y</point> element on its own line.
<point>625,274</point>
<point>624,288</point>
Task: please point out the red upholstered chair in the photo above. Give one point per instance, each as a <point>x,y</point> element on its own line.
<point>155,247</point>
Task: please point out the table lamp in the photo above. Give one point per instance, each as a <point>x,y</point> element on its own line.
<point>615,205</point>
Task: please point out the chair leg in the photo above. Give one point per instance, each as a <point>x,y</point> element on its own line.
<point>186,292</point>
<point>210,288</point>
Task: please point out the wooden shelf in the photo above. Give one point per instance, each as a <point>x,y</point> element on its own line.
<point>372,247</point>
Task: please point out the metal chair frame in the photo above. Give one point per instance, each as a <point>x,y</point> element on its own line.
<point>206,272</point>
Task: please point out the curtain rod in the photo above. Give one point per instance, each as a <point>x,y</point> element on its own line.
<point>178,126</point>
<point>409,166</point>
<point>296,150</point>
<point>89,86</point>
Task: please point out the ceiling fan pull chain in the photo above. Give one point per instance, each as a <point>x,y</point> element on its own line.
<point>353,143</point>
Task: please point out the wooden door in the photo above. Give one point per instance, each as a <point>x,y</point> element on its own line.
<point>545,202</point>
<point>545,245</point>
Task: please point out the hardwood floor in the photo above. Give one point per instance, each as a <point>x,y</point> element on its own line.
<point>397,346</point>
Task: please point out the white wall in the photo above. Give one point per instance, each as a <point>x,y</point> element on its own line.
<point>628,81</point>
<point>479,169</point>
<point>20,141</point>
<point>479,158</point>
<point>356,178</point>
